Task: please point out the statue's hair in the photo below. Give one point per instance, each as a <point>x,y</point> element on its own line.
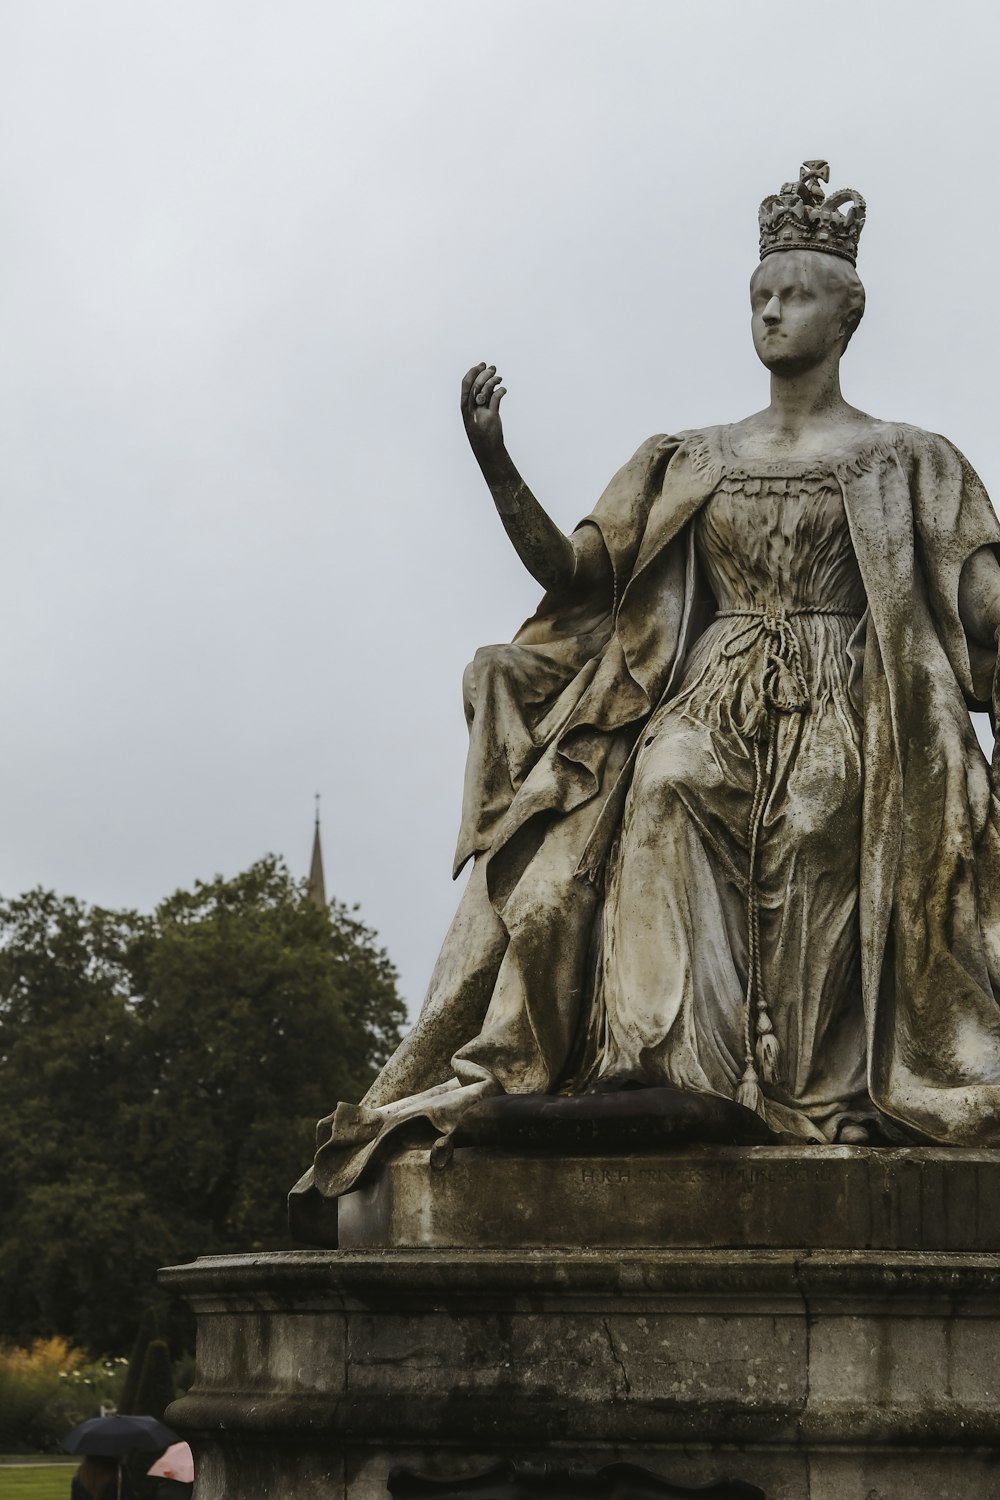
<point>838,274</point>
<point>841,274</point>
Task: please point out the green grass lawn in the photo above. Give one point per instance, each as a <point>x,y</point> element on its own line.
<point>39,1482</point>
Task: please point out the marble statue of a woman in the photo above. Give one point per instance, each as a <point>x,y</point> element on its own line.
<point>731,827</point>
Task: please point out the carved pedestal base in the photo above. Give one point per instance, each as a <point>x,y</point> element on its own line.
<point>847,1373</point>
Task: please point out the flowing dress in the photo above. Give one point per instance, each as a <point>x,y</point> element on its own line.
<point>729,822</point>
<point>732,907</point>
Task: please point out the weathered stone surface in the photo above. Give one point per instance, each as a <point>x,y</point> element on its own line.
<point>618,1120</point>
<point>730,756</point>
<point>810,1373</point>
<point>787,846</point>
<point>507,1480</point>
<point>836,1197</point>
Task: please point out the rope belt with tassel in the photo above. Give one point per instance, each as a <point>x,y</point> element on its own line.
<point>784,692</point>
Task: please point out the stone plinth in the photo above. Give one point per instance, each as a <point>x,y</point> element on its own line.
<point>778,1197</point>
<point>863,1371</point>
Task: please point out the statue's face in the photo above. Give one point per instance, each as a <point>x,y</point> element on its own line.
<point>797,307</point>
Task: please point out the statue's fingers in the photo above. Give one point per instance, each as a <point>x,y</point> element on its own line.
<point>485,391</point>
<point>469,381</point>
<point>498,394</point>
<point>484,375</point>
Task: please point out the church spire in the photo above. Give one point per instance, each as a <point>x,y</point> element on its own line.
<point>317,884</point>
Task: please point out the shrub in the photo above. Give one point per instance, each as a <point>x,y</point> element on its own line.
<point>82,1392</point>
<point>29,1382</point>
<point>46,1389</point>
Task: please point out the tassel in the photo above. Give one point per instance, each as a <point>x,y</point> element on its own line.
<point>785,689</point>
<point>767,1049</point>
<point>748,1094</point>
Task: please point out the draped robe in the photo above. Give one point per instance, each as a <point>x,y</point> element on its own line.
<point>555,719</point>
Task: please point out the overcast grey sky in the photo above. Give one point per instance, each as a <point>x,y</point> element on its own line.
<point>250,249</point>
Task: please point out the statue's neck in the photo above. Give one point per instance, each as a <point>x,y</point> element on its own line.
<point>808,398</point>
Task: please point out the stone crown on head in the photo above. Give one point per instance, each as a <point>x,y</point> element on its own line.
<point>802,217</point>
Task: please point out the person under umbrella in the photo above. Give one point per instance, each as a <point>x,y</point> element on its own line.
<point>97,1479</point>
<point>104,1441</point>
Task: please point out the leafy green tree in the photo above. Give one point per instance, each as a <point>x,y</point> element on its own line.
<point>160,1080</point>
<point>156,1383</point>
<point>259,1008</point>
<point>77,1220</point>
<point>148,1330</point>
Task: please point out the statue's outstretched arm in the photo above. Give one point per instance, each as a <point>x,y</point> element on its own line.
<point>551,557</point>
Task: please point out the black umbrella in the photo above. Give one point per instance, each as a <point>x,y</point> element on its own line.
<point>112,1436</point>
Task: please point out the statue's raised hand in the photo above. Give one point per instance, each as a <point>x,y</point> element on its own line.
<point>481,397</point>
<point>546,553</point>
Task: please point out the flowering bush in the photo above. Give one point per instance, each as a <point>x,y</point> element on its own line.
<point>46,1389</point>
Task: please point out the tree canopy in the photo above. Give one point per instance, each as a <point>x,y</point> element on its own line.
<point>160,1081</point>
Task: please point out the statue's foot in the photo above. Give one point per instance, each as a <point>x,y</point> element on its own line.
<point>855,1133</point>
<point>616,1083</point>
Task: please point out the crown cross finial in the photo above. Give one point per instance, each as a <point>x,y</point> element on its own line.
<point>802,217</point>
<point>811,174</point>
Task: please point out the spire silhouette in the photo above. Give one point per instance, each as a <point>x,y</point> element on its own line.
<point>317,884</point>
